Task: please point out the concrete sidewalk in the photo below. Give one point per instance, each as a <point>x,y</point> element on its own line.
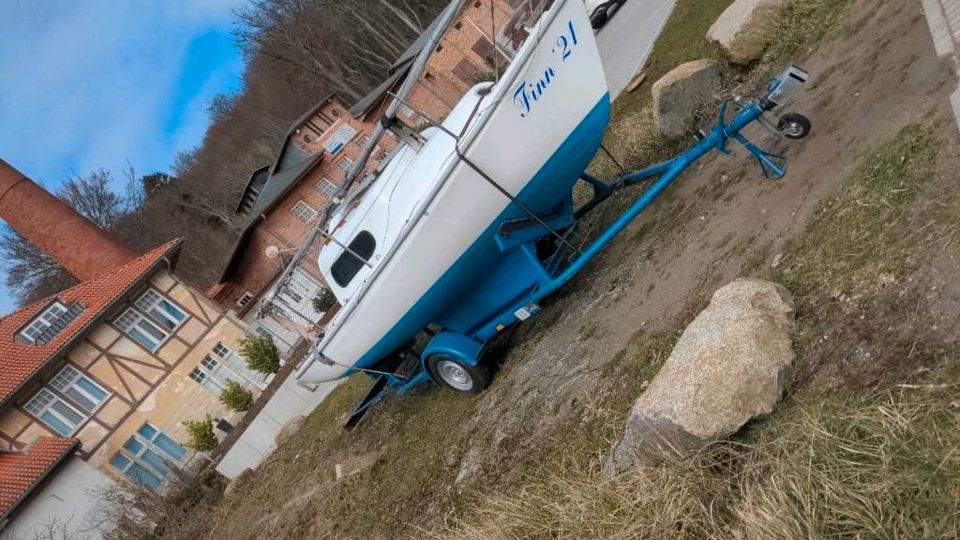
<point>943,17</point>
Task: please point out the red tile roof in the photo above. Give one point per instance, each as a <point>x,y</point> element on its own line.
<point>20,361</point>
<point>20,472</point>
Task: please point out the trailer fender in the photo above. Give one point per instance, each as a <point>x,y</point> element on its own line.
<point>456,345</point>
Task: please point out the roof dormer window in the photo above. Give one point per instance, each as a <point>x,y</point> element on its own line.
<point>45,326</point>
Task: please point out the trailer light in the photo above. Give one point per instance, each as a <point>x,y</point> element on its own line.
<point>500,327</point>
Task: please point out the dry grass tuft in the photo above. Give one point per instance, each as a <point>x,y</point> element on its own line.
<point>885,467</point>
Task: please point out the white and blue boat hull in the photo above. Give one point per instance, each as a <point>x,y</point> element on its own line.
<point>438,259</point>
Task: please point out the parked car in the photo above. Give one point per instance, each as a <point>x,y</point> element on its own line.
<point>600,10</point>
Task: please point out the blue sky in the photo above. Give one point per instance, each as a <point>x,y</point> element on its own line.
<point>98,83</point>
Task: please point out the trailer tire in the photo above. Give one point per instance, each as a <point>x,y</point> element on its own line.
<point>458,375</point>
<point>795,126</point>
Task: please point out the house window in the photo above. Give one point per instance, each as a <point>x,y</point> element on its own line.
<point>86,394</point>
<point>147,455</point>
<point>245,299</point>
<point>206,381</point>
<point>303,211</point>
<point>161,309</point>
<point>238,364</point>
<point>141,330</point>
<point>55,412</point>
<point>51,320</point>
<point>347,265</point>
<point>345,164</point>
<point>325,187</point>
<point>222,366</point>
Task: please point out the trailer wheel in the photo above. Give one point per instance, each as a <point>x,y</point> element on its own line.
<point>457,375</point>
<point>794,126</point>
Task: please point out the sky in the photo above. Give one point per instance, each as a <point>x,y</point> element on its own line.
<point>93,84</point>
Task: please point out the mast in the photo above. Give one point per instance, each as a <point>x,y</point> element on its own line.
<point>411,80</point>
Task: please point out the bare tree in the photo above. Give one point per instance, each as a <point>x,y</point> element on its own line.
<point>183,161</point>
<point>345,44</point>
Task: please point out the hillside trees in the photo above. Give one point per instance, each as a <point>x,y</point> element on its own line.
<point>334,45</point>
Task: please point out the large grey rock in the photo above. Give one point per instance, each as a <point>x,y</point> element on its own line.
<point>739,29</point>
<point>729,366</point>
<point>679,96</point>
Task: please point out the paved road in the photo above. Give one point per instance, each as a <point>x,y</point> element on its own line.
<point>627,39</point>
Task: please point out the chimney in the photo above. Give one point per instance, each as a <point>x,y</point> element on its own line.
<point>76,243</point>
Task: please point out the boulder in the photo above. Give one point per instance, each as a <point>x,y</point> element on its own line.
<point>739,29</point>
<point>728,367</point>
<point>679,96</point>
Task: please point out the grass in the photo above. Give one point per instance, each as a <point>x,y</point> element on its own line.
<point>883,467</point>
<point>878,467</point>
<point>855,243</point>
<point>683,40</point>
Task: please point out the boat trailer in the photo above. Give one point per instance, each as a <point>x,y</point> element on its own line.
<point>455,358</point>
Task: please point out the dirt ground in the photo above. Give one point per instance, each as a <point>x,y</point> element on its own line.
<point>723,221</point>
<point>595,343</point>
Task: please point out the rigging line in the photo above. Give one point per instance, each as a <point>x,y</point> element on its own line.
<point>613,159</point>
<point>488,178</point>
<point>515,200</point>
<point>409,82</point>
<point>493,40</point>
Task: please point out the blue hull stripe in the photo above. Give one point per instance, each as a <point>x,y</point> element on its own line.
<point>550,187</point>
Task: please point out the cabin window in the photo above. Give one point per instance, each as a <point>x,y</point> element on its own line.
<point>141,330</point>
<point>147,455</point>
<point>80,389</point>
<point>55,413</point>
<point>347,265</point>
<point>162,310</point>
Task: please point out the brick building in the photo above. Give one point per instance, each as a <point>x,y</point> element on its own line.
<point>281,200</point>
<point>96,381</point>
<point>482,39</point>
<point>278,206</point>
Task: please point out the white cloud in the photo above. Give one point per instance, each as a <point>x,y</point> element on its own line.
<point>91,84</point>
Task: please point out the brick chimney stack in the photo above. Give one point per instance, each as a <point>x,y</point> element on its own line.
<point>76,243</point>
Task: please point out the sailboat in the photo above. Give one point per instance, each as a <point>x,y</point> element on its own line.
<point>424,247</point>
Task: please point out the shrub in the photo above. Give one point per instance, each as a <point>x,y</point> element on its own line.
<point>260,354</point>
<point>202,437</point>
<point>235,397</point>
<point>324,300</point>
